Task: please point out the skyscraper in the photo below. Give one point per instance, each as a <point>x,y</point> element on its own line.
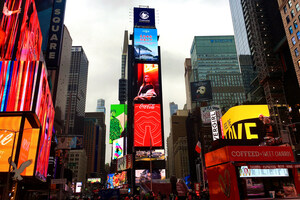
<point>123,79</point>
<point>76,97</point>
<point>214,58</point>
<point>101,106</point>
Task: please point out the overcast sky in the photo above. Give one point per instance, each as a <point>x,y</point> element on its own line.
<point>98,26</point>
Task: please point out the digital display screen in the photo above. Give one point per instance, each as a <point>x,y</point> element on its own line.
<point>246,122</point>
<point>24,38</point>
<point>117,180</point>
<point>245,172</point>
<point>144,175</point>
<point>78,187</point>
<point>157,154</point>
<point>145,44</point>
<point>19,81</point>
<point>147,83</point>
<point>147,125</point>
<point>144,17</point>
<point>118,148</point>
<point>45,112</point>
<point>118,121</point>
<point>94,180</point>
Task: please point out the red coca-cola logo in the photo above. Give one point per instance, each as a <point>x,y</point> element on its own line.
<point>147,106</point>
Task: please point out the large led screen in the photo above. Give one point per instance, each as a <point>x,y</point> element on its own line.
<point>245,172</point>
<point>148,83</point>
<point>157,154</point>
<point>145,44</point>
<point>45,112</point>
<point>118,148</point>
<point>201,91</point>
<point>19,81</point>
<point>116,180</point>
<point>144,175</point>
<point>144,17</point>
<point>147,125</point>
<point>246,122</point>
<point>118,121</point>
<point>20,33</point>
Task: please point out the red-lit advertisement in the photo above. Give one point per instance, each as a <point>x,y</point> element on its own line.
<point>45,112</point>
<point>148,83</point>
<point>20,34</point>
<point>18,83</point>
<point>147,125</point>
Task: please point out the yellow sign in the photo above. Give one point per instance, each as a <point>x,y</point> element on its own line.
<point>243,122</point>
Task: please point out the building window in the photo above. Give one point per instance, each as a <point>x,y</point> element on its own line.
<point>298,35</point>
<point>288,19</point>
<point>290,3</point>
<point>285,9</point>
<point>297,7</point>
<point>293,13</point>
<point>293,40</point>
<point>295,24</point>
<point>291,29</point>
<point>296,52</point>
<point>298,63</point>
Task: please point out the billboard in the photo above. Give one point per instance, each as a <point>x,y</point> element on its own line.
<point>125,162</point>
<point>201,91</point>
<point>20,33</point>
<point>147,125</point>
<point>55,37</point>
<point>147,83</point>
<point>157,154</point>
<point>144,175</point>
<point>94,180</point>
<point>205,113</point>
<point>118,121</point>
<point>116,180</point>
<point>9,136</point>
<point>118,148</point>
<point>70,142</point>
<point>144,17</point>
<point>145,44</point>
<point>245,122</point>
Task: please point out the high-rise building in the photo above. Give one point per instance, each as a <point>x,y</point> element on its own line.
<point>187,78</point>
<point>101,106</point>
<point>76,96</point>
<point>214,58</point>
<point>94,142</point>
<point>78,163</point>
<point>173,108</point>
<point>123,80</point>
<point>289,12</point>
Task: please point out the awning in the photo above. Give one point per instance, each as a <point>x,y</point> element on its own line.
<point>287,165</point>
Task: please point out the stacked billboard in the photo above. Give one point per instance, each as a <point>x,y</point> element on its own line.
<point>145,95</point>
<point>26,107</point>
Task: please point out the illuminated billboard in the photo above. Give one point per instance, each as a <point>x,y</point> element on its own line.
<point>157,154</point>
<point>205,113</point>
<point>70,142</point>
<point>118,121</point>
<point>144,175</point>
<point>144,17</point>
<point>147,125</point>
<point>9,137</point>
<point>201,91</point>
<point>245,122</point>
<point>94,180</point>
<point>116,180</point>
<point>147,83</point>
<point>118,148</point>
<point>20,33</point>
<point>145,44</point>
<point>45,112</point>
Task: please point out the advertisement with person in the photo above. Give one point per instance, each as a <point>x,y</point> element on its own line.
<point>19,41</point>
<point>144,175</point>
<point>145,44</point>
<point>246,122</point>
<point>147,83</point>
<point>118,121</point>
<point>147,125</point>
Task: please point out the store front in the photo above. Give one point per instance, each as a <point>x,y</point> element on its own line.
<point>252,172</point>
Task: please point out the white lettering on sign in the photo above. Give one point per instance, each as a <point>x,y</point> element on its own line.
<point>214,125</point>
<point>7,139</point>
<point>147,106</point>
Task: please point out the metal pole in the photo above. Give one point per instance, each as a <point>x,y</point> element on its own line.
<point>151,163</point>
